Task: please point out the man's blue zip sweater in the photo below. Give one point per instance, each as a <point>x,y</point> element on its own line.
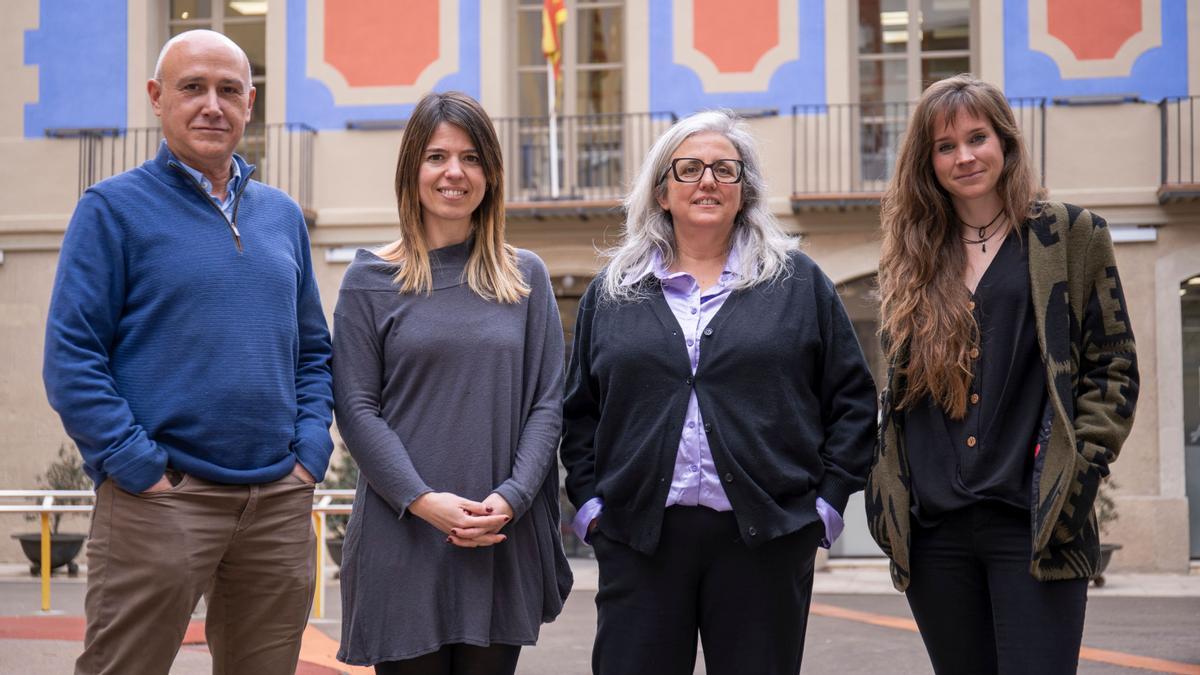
<point>179,338</point>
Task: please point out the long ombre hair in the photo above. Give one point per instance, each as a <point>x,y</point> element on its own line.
<point>492,270</point>
<point>925,306</point>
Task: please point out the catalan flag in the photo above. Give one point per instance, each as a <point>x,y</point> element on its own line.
<point>554,15</point>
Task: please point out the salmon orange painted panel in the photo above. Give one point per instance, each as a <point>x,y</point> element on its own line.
<point>1094,29</point>
<point>735,35</point>
<point>381,43</point>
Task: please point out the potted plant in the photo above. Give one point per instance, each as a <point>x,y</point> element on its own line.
<point>64,473</point>
<point>342,475</point>
<point>1106,514</point>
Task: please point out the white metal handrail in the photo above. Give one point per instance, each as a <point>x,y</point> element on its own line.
<point>323,504</point>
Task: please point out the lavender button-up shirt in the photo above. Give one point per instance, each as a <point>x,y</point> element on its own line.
<point>695,481</point>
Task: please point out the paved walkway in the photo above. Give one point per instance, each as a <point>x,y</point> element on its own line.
<point>1137,623</point>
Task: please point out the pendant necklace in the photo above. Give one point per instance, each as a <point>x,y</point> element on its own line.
<point>980,232</point>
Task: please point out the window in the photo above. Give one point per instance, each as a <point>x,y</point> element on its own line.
<point>1189,303</point>
<point>592,65</point>
<point>903,47</point>
<point>590,101</point>
<point>244,21</point>
<point>906,45</point>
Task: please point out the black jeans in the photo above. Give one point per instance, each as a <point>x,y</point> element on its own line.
<point>750,606</point>
<point>457,659</point>
<point>979,609</point>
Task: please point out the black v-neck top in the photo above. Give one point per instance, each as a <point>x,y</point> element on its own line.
<point>988,454</point>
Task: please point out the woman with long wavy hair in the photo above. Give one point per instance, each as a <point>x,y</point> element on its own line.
<point>448,389</point>
<point>1012,382</point>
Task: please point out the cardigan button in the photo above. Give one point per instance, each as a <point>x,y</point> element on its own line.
<point>971,441</point>
<point>728,478</point>
<point>689,380</point>
<point>975,399</point>
<point>707,332</point>
<point>753,532</point>
<point>708,427</point>
<point>974,353</point>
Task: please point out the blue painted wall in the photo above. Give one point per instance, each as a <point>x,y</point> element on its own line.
<point>1158,73</point>
<point>676,88</point>
<point>81,51</point>
<point>310,101</point>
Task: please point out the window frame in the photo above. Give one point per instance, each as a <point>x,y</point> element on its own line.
<point>571,63</point>
<point>913,55</point>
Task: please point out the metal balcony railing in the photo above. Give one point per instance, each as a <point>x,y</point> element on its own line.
<point>282,153</point>
<point>846,152</point>
<point>597,155</point>
<point>1180,147</point>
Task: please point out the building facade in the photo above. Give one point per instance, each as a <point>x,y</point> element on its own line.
<point>1107,105</point>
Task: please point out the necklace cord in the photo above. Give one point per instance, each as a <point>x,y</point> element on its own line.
<point>979,231</point>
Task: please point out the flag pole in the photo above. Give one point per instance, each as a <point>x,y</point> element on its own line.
<point>551,98</point>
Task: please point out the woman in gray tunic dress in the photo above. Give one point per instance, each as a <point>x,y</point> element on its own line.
<point>448,382</point>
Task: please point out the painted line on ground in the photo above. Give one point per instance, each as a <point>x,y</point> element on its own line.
<point>69,628</point>
<point>1086,653</point>
<point>320,649</point>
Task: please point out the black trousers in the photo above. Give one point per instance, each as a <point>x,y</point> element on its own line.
<point>978,608</point>
<point>750,606</point>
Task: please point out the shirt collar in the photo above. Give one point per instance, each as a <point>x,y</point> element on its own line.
<point>656,267</point>
<point>235,178</point>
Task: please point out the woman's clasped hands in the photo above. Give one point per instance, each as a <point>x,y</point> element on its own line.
<point>466,523</point>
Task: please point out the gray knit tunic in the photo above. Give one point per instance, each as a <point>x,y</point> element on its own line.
<point>447,392</point>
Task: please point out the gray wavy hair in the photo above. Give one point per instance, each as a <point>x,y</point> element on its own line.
<point>763,246</point>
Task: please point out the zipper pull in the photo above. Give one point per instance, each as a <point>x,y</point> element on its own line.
<point>237,235</point>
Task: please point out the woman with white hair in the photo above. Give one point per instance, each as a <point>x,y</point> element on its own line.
<point>719,413</point>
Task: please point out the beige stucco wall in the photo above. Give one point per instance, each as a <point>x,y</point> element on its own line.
<point>1151,517</point>
<point>17,80</point>
<point>1105,156</point>
<point>32,431</point>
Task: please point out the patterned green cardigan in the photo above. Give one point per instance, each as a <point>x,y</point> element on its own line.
<point>1091,375</point>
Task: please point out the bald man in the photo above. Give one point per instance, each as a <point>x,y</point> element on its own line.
<point>188,356</point>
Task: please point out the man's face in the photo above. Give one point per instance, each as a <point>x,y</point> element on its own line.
<point>204,100</point>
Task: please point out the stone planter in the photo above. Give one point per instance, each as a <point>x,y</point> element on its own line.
<point>335,550</point>
<point>1106,552</point>
<point>64,547</point>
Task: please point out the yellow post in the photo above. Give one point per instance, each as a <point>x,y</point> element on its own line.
<point>45,561</point>
<point>319,592</point>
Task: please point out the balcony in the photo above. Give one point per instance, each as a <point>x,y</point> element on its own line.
<point>596,157</point>
<point>844,154</point>
<point>282,154</point>
<point>1179,124</point>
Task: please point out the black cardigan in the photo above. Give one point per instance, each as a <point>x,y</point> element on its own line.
<point>787,399</point>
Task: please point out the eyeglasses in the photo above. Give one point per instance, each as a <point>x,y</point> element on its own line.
<point>691,170</point>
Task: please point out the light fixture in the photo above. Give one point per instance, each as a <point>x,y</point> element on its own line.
<point>893,18</point>
<point>1127,235</point>
<point>185,15</point>
<point>345,254</point>
<point>1194,281</point>
<point>249,7</point>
